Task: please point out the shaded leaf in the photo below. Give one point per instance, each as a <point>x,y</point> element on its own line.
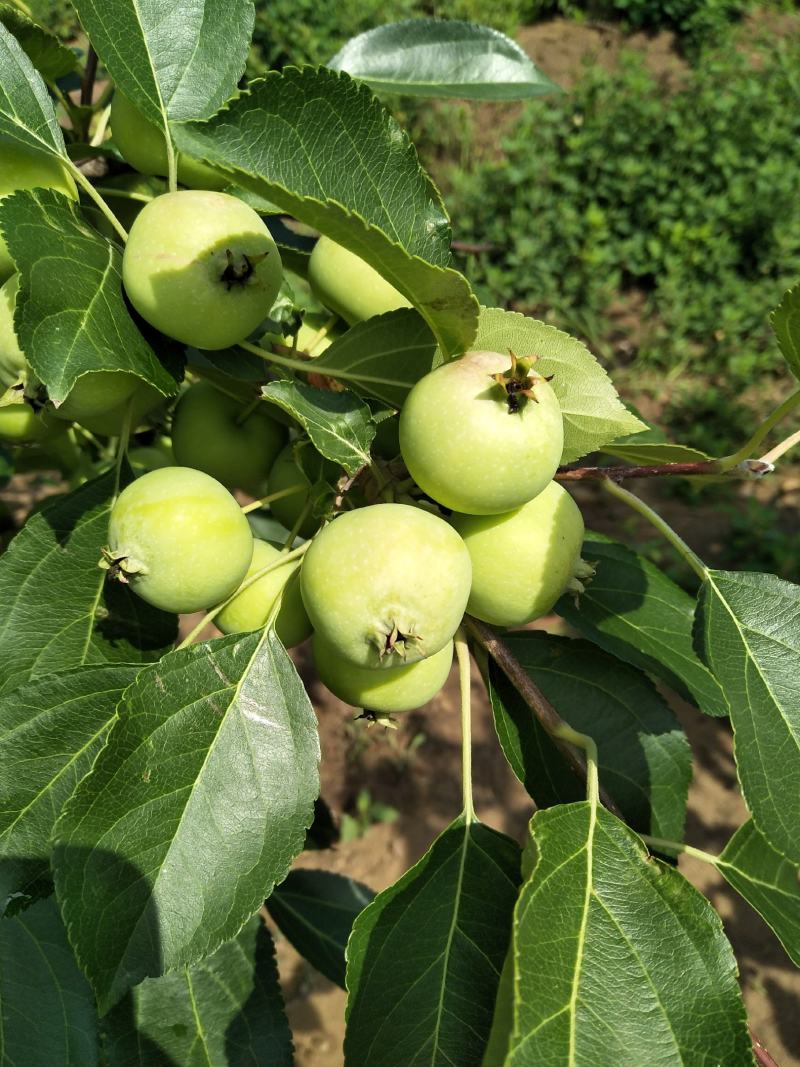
<point>322,148</point>
<point>315,910</point>
<point>339,424</point>
<point>748,626</point>
<point>768,882</point>
<point>192,812</point>
<point>594,984</point>
<point>634,611</point>
<point>224,1012</point>
<point>383,356</point>
<point>644,758</point>
<point>93,330</point>
<point>48,55</point>
<point>58,609</point>
<point>593,413</point>
<point>51,729</point>
<point>47,1011</point>
<point>785,320</point>
<point>442,57</point>
<point>424,959</point>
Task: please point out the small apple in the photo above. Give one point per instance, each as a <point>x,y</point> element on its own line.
<point>346,284</point>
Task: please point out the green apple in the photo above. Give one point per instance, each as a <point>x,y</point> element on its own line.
<point>386,584</point>
<point>108,423</point>
<point>142,144</point>
<point>97,392</point>
<point>23,169</point>
<point>385,692</point>
<point>20,424</point>
<point>251,608</point>
<point>225,438</point>
<point>524,560</point>
<point>482,434</point>
<point>179,539</point>
<point>201,267</point>
<point>346,284</point>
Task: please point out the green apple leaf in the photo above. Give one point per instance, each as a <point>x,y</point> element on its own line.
<point>27,115</point>
<point>424,959</point>
<point>180,60</point>
<point>339,424</point>
<point>47,1011</point>
<point>748,627</point>
<point>192,812</point>
<point>51,729</point>
<point>768,882</point>
<point>383,356</point>
<point>632,610</point>
<point>785,320</point>
<point>315,910</point>
<point>49,56</point>
<point>646,452</point>
<point>322,148</point>
<point>58,609</point>
<point>442,57</point>
<point>227,1010</point>
<point>93,330</point>
<point>644,758</point>
<point>594,981</point>
<point>593,413</point>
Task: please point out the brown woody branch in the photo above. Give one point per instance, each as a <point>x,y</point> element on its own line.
<point>762,1056</point>
<point>750,468</point>
<point>89,75</point>
<point>535,699</point>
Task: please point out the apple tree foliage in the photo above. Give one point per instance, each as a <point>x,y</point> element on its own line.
<point>153,798</point>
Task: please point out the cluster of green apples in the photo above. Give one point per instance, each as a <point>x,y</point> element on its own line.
<point>465,517</point>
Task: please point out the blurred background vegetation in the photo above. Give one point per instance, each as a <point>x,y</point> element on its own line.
<point>652,209</point>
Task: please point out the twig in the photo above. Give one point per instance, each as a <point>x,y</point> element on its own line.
<point>465,686</point>
<point>472,249</point>
<point>750,468</point>
<point>763,1058</point>
<point>536,701</point>
<point>89,75</point>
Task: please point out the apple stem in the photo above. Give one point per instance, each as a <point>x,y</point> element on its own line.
<point>751,446</point>
<point>264,500</point>
<point>295,530</point>
<point>122,445</point>
<point>465,683</point>
<point>212,614</point>
<point>663,527</point>
<point>100,203</point>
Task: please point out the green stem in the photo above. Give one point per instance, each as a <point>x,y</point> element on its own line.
<point>264,500</point>
<point>663,527</point>
<point>783,446</point>
<point>587,744</point>
<point>172,160</point>
<point>100,129</point>
<point>212,614</point>
<point>306,366</point>
<point>751,447</point>
<point>123,194</point>
<point>465,683</point>
<point>322,333</point>
<point>90,191</point>
<point>295,530</point>
<point>248,410</point>
<point>678,847</point>
<point>122,445</point>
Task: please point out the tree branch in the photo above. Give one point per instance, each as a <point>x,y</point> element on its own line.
<point>763,1058</point>
<point>749,468</point>
<point>89,75</point>
<point>535,699</point>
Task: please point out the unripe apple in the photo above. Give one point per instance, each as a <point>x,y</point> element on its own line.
<point>109,423</point>
<point>482,434</point>
<point>346,284</point>
<point>142,145</point>
<point>251,608</point>
<point>523,560</point>
<point>179,539</point>
<point>386,692</point>
<point>22,169</point>
<point>96,393</point>
<point>386,584</point>
<point>210,434</point>
<point>21,425</point>
<point>201,267</point>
